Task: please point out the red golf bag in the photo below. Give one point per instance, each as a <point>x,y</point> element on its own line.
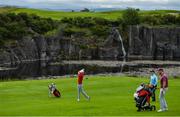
<point>57,93</point>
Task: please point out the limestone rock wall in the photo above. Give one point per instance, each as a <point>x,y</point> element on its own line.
<point>154,43</point>
<point>161,43</point>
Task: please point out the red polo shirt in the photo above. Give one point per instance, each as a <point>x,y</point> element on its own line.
<point>80,77</point>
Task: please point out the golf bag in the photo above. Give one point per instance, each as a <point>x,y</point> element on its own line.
<point>53,90</point>
<point>56,93</point>
<point>142,96</point>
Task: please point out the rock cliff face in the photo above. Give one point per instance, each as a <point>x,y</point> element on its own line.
<point>57,48</point>
<point>144,43</point>
<point>19,51</point>
<point>154,43</point>
<point>113,47</point>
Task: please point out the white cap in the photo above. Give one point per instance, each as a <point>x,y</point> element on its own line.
<point>81,71</point>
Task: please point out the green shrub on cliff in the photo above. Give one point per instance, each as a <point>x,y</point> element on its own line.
<point>152,20</point>
<point>178,19</point>
<point>155,20</point>
<point>16,26</point>
<point>86,26</point>
<point>76,31</point>
<point>131,16</point>
<point>169,19</point>
<point>100,31</point>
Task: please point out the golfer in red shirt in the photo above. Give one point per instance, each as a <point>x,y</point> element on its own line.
<point>80,85</point>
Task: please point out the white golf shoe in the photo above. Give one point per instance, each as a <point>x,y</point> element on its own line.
<point>88,98</point>
<point>160,110</point>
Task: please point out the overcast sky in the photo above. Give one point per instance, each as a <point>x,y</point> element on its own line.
<point>79,4</point>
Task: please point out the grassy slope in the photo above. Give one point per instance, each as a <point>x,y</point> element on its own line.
<point>109,96</point>
<point>7,9</point>
<point>112,15</point>
<point>61,14</point>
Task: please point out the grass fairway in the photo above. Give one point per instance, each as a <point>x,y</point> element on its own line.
<point>109,96</point>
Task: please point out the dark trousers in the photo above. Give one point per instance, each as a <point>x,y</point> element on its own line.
<point>153,89</point>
